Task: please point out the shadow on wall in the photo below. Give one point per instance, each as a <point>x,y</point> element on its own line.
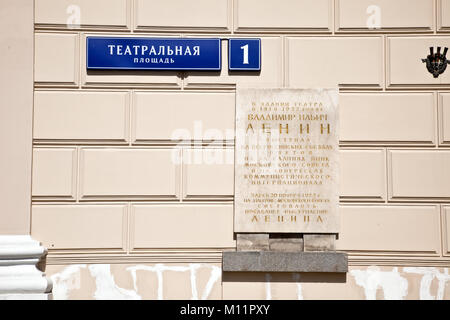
<point>130,73</point>
<point>310,277</point>
<point>169,73</point>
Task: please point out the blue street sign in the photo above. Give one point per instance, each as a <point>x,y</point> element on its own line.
<point>153,53</point>
<point>244,54</point>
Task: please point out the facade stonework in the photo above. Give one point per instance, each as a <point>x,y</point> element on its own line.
<point>128,211</point>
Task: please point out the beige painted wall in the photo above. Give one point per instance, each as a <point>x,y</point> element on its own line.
<point>205,281</point>
<point>104,186</point>
<point>16,107</point>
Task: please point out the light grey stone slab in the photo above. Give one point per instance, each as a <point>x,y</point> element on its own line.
<point>286,244</point>
<point>286,161</point>
<point>252,241</point>
<point>272,261</point>
<point>319,242</point>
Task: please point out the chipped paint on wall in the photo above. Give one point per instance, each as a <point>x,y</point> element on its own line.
<point>429,274</point>
<point>268,278</point>
<point>216,274</point>
<point>66,280</point>
<point>199,281</point>
<point>106,288</point>
<point>296,278</point>
<point>394,286</point>
<point>192,268</point>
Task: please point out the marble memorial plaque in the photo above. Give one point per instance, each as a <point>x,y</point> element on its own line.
<point>286,161</point>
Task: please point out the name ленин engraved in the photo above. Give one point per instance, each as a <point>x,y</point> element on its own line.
<point>286,160</point>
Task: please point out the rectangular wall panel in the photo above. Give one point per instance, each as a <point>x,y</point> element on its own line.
<point>166,116</point>
<point>182,15</point>
<point>390,229</point>
<point>68,116</point>
<point>329,62</point>
<point>419,174</point>
<point>54,173</point>
<point>446,229</point>
<point>387,118</point>
<point>208,173</point>
<point>75,14</point>
<point>282,15</point>
<point>129,173</point>
<point>56,59</point>
<point>385,15</point>
<point>404,61</point>
<point>79,226</point>
<point>182,226</point>
<point>444,118</point>
<point>444,15</point>
<point>362,175</point>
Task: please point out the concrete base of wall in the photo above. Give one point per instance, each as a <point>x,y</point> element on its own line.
<point>275,261</point>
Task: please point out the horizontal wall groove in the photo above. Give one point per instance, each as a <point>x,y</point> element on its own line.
<point>82,28</point>
<point>386,31</point>
<point>418,200</point>
<point>182,31</point>
<point>223,87</point>
<point>39,199</point>
<point>208,199</point>
<point>112,142</point>
<point>54,258</point>
<point>406,144</point>
<point>110,198</point>
<point>250,33</point>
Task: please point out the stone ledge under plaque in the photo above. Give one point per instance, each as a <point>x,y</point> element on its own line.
<point>274,261</point>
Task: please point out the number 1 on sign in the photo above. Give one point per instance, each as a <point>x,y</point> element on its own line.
<point>244,54</point>
<point>245,58</point>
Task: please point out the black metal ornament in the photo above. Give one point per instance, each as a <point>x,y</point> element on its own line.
<point>436,62</point>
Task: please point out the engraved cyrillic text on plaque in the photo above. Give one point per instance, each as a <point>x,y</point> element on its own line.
<point>286,161</point>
